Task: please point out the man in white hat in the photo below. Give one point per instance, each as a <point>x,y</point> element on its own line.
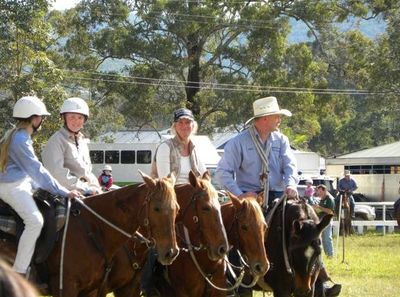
<point>349,185</point>
<point>260,157</point>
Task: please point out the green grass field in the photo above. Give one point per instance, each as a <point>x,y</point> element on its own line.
<point>371,266</point>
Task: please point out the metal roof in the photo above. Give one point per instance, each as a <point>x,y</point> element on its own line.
<point>384,151</point>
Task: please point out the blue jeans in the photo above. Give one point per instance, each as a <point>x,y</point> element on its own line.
<point>272,195</point>
<point>327,242</point>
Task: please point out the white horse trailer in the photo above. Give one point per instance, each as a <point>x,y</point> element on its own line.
<point>129,157</point>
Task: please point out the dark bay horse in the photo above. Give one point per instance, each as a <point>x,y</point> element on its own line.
<point>199,213</point>
<point>91,244</point>
<point>294,249</point>
<point>396,211</point>
<point>345,213</point>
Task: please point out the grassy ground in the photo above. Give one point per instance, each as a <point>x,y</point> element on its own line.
<point>371,266</point>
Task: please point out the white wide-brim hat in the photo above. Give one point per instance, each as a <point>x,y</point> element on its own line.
<point>268,106</point>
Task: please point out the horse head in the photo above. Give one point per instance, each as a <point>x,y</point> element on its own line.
<point>304,248</point>
<point>201,215</point>
<point>248,225</point>
<point>162,209</point>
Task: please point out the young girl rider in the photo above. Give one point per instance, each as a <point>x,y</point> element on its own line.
<point>21,172</point>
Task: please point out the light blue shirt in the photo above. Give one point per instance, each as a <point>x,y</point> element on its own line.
<point>347,185</point>
<point>23,163</point>
<point>240,167</point>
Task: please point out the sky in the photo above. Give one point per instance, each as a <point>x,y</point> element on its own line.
<point>64,4</point>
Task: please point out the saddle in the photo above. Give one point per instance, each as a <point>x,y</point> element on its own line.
<point>53,209</point>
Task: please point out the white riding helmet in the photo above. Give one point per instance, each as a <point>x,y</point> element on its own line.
<point>75,105</point>
<point>107,167</point>
<point>28,106</point>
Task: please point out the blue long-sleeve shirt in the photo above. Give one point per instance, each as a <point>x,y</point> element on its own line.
<point>240,167</point>
<point>347,185</point>
<point>22,163</point>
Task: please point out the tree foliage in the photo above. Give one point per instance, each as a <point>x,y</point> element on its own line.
<point>137,61</point>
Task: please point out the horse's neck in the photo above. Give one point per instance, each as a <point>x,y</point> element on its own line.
<point>119,209</point>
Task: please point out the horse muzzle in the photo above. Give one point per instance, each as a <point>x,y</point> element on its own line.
<point>168,256</point>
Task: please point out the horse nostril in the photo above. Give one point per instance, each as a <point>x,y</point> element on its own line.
<point>172,254</point>
<point>222,250</point>
<point>257,268</point>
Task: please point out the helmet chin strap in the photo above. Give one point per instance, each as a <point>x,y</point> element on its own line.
<point>37,128</point>
<point>73,132</point>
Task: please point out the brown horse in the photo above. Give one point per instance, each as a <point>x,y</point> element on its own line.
<point>199,212</point>
<point>345,213</point>
<point>294,249</point>
<point>91,244</point>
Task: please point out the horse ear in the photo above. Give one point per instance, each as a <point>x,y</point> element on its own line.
<point>325,221</point>
<point>172,178</point>
<point>193,179</point>
<point>260,198</point>
<point>297,226</point>
<point>206,175</point>
<point>151,183</point>
<point>235,200</point>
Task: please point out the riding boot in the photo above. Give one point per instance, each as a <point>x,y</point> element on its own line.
<point>329,291</point>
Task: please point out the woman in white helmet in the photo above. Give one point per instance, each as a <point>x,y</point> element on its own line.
<point>66,154</point>
<point>21,171</point>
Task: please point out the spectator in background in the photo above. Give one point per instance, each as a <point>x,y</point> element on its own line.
<point>309,191</point>
<point>348,184</point>
<point>106,179</point>
<point>66,154</point>
<point>326,205</point>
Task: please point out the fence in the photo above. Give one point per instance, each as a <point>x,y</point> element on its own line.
<point>384,224</point>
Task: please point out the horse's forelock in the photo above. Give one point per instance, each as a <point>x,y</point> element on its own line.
<point>253,207</point>
<point>166,189</point>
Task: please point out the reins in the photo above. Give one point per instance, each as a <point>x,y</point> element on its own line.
<point>196,263</point>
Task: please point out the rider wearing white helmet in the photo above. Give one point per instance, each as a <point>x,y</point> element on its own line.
<point>66,154</point>
<point>21,171</point>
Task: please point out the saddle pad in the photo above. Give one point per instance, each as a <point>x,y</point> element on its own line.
<point>9,225</point>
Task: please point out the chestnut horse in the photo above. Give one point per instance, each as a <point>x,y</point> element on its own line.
<point>91,243</point>
<point>345,213</point>
<point>294,249</point>
<point>199,213</point>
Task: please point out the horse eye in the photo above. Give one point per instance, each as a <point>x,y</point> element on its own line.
<point>206,208</point>
<point>244,227</point>
<point>157,209</point>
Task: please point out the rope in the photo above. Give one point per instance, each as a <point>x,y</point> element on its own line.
<point>285,255</point>
<point>144,239</point>
<point>61,284</point>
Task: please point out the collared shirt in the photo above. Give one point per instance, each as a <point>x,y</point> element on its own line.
<point>68,160</point>
<point>240,167</point>
<point>22,163</point>
<point>347,185</point>
<point>327,202</point>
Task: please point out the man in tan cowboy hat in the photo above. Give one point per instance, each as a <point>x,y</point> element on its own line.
<point>260,159</point>
<point>244,172</point>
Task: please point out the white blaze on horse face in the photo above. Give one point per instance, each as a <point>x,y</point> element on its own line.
<point>215,202</point>
<point>309,252</point>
